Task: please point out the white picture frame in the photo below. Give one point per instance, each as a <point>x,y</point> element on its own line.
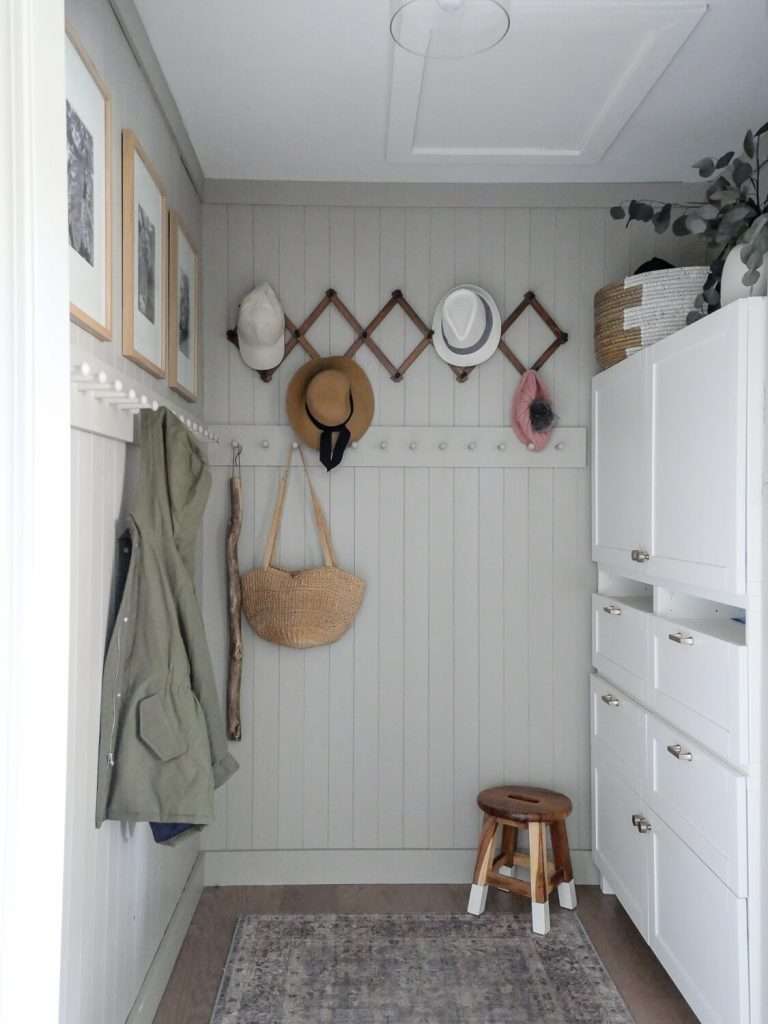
<point>183,310</point>
<point>145,291</point>
<point>89,192</point>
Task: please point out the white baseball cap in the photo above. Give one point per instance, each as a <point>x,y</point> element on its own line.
<point>261,328</point>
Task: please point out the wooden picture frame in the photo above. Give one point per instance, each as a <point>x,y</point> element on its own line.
<point>89,192</point>
<point>145,280</point>
<point>183,279</point>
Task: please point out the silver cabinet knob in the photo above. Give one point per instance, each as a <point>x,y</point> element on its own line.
<point>610,700</point>
<point>472,445</point>
<point>636,819</point>
<point>442,446</point>
<point>644,826</point>
<point>384,445</point>
<point>676,750</point>
<point>501,446</point>
<point>638,555</point>
<point>681,638</point>
<point>611,609</point>
<point>413,446</point>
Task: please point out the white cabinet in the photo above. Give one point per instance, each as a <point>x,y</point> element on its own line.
<point>620,464</point>
<point>696,385</point>
<point>620,642</point>
<point>669,446</point>
<point>620,851</point>
<point>698,930</point>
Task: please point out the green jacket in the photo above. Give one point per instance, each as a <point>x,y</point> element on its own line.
<point>162,746</point>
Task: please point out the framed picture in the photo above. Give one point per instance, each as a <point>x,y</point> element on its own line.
<point>89,192</point>
<point>144,278</point>
<point>183,310</point>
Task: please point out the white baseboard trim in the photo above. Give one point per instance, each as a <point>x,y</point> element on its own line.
<point>151,992</point>
<point>356,867</point>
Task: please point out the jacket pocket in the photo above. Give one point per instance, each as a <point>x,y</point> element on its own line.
<point>159,729</point>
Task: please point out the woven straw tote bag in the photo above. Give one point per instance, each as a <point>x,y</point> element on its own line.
<point>306,608</point>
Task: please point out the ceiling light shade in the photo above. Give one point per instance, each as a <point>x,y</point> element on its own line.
<point>445,29</point>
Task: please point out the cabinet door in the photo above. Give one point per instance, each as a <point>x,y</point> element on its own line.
<point>698,930</point>
<point>698,409</point>
<point>620,465</point>
<point>621,853</point>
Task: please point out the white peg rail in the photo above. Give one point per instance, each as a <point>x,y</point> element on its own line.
<point>480,447</point>
<point>102,403</point>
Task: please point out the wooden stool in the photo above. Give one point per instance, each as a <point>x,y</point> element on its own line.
<point>511,809</point>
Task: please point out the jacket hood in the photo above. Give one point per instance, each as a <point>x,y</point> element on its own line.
<point>175,482</point>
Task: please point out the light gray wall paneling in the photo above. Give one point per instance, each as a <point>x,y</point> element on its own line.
<point>121,889</point>
<point>468,662</point>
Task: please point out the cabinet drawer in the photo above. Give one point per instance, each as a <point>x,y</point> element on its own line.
<point>621,854</point>
<point>702,799</point>
<point>620,644</point>
<point>698,930</point>
<point>699,683</point>
<point>619,724</point>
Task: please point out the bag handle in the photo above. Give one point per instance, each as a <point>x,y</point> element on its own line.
<point>277,516</point>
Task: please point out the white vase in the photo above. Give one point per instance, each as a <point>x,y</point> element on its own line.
<point>731,285</point>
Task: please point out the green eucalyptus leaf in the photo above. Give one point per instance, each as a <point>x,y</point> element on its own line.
<point>640,211</point>
<point>705,167</point>
<point>749,145</point>
<point>696,225</point>
<point>736,214</point>
<point>751,277</point>
<point>707,212</point>
<point>755,259</point>
<point>712,296</point>
<point>694,315</point>
<point>680,226</point>
<point>742,172</point>
<point>756,226</point>
<point>725,159</point>
<point>662,218</point>
<point>618,212</point>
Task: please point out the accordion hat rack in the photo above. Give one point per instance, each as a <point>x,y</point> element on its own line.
<point>364,335</point>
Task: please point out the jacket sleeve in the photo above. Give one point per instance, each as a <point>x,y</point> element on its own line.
<point>203,684</point>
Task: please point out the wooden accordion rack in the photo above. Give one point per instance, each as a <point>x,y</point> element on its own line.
<point>364,335</point>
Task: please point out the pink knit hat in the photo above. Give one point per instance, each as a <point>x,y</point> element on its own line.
<point>532,415</point>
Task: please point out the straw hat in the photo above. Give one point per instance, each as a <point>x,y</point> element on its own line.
<point>261,328</point>
<point>330,403</point>
<point>466,326</point>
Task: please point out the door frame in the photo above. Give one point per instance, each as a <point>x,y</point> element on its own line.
<point>34,505</point>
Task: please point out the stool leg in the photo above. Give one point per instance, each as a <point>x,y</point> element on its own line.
<point>509,849</point>
<point>539,903</point>
<point>566,890</point>
<point>478,894</point>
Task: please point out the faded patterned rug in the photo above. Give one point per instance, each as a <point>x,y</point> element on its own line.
<point>414,969</point>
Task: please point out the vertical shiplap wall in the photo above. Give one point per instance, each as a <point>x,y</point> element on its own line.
<point>469,661</point>
<point>120,888</point>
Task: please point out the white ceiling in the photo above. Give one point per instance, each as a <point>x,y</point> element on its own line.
<point>580,90</point>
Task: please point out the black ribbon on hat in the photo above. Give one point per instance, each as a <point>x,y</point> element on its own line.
<point>331,454</point>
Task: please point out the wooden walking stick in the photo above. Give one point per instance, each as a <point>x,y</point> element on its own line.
<point>235,600</point>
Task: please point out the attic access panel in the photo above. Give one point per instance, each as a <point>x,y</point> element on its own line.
<point>558,89</point>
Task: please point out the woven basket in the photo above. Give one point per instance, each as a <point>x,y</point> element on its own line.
<point>643,309</point>
<point>300,609</point>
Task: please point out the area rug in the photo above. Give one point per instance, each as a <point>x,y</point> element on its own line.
<point>414,969</point>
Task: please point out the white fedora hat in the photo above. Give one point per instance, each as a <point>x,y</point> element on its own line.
<point>261,328</point>
<point>466,326</point>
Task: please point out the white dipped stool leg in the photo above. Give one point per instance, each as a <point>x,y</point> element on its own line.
<point>540,918</point>
<point>478,894</point>
<point>566,893</point>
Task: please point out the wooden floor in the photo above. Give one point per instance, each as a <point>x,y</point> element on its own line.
<point>645,986</point>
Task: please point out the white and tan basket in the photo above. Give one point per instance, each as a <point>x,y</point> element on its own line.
<point>642,309</point>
